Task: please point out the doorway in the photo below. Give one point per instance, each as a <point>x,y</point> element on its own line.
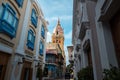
<point>3,64</point>
<point>26,71</point>
<point>115,30</point>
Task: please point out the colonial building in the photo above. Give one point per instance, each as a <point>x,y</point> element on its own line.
<point>95,40</point>
<point>58,39</point>
<point>53,58</point>
<point>22,39</point>
<point>71,59</point>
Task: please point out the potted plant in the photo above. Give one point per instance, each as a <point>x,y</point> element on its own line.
<point>85,74</point>
<point>111,74</point>
<point>39,74</point>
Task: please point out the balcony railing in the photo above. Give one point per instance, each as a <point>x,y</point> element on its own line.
<point>50,61</point>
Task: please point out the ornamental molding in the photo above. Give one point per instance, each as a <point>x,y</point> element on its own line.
<point>4,41</point>
<point>78,46</point>
<point>29,53</point>
<point>105,6</point>
<point>86,45</point>
<point>40,57</point>
<point>84,27</point>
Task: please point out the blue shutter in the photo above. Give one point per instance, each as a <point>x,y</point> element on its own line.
<point>28,35</point>
<point>34,18</point>
<point>32,15</point>
<point>1,11</point>
<point>42,48</point>
<point>30,40</point>
<point>33,39</point>
<point>8,16</point>
<point>43,32</point>
<point>19,2</point>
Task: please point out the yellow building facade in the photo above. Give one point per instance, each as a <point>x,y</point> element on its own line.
<point>23,32</point>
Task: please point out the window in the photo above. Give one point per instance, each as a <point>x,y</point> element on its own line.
<point>56,41</point>
<point>30,39</point>
<point>43,32</point>
<point>41,48</point>
<point>27,72</point>
<point>8,20</point>
<point>59,41</point>
<point>34,18</point>
<point>57,33</point>
<point>19,2</point>
<point>1,11</point>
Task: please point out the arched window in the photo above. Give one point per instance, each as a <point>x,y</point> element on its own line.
<point>31,39</point>
<point>8,20</point>
<point>34,18</point>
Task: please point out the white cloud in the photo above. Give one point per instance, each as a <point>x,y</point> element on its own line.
<point>66,54</point>
<point>49,37</point>
<point>68,35</point>
<point>66,17</point>
<point>55,18</point>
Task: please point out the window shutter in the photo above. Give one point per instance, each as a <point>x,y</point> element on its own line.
<point>42,48</point>
<point>28,35</point>
<point>33,39</point>
<point>1,11</point>
<point>19,2</point>
<point>7,17</point>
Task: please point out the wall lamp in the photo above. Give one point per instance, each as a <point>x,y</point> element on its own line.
<point>21,62</point>
<point>37,65</point>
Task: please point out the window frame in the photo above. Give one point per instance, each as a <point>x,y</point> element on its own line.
<point>34,18</point>
<point>43,32</point>
<point>30,43</point>
<point>5,26</point>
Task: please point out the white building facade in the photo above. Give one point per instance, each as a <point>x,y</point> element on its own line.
<point>95,40</point>
<point>26,45</point>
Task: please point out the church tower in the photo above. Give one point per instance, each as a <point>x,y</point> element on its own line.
<point>58,35</point>
<point>58,38</point>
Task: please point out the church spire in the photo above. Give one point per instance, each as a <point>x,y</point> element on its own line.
<point>58,21</point>
<point>58,35</point>
<point>58,28</point>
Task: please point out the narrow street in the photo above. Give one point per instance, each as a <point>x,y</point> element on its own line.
<point>59,39</point>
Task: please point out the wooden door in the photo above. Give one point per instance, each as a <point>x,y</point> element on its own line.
<point>30,73</point>
<point>89,57</point>
<point>26,71</point>
<point>115,29</point>
<point>3,64</point>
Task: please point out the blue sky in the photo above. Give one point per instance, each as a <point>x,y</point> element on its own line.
<point>62,9</point>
